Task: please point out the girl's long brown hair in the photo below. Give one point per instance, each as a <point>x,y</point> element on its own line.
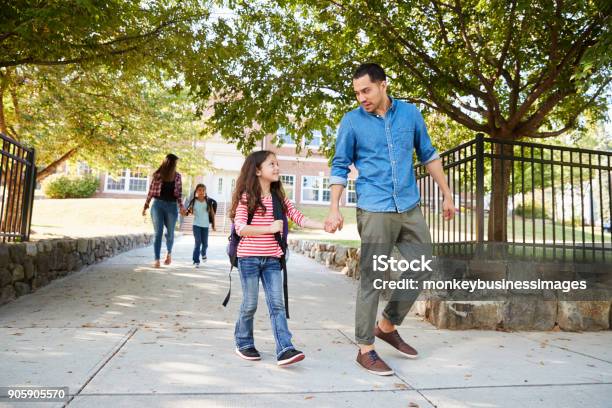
<point>167,169</point>
<point>248,183</point>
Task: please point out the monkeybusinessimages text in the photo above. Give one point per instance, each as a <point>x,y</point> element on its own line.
<point>383,263</point>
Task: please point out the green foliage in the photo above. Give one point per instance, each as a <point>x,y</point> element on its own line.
<point>61,186</point>
<point>121,35</point>
<point>531,209</point>
<point>510,69</point>
<point>101,78</point>
<point>292,225</point>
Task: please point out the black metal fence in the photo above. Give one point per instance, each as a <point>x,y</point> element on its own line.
<point>17,184</point>
<point>556,201</point>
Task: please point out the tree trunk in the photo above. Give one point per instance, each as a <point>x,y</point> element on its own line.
<point>3,127</point>
<point>500,182</point>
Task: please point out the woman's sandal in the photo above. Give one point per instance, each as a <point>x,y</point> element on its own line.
<point>168,259</point>
<point>156,264</point>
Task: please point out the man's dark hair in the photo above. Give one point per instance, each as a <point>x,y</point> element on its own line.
<point>375,72</point>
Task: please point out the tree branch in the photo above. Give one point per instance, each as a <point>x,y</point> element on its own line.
<point>50,169</point>
<point>149,35</point>
<point>32,61</point>
<point>548,77</point>
<point>494,114</point>
<point>427,60</point>
<point>506,46</point>
<point>572,121</point>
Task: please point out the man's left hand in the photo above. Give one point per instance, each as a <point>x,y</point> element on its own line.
<point>448,208</point>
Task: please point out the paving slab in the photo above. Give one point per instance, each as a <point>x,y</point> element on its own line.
<point>164,361</point>
<point>592,344</point>
<point>55,357</point>
<point>567,396</point>
<point>314,400</point>
<point>489,358</point>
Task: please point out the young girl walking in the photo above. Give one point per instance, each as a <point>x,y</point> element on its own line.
<point>203,209</point>
<point>259,253</point>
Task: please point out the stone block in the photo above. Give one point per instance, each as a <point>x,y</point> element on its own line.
<point>464,315</point>
<point>584,315</point>
<point>529,313</point>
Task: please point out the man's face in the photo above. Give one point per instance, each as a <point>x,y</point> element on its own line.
<point>370,95</point>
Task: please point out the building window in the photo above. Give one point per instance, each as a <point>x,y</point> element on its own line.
<point>316,139</point>
<point>220,186</point>
<point>285,138</point>
<point>128,181</point>
<point>289,186</point>
<point>351,194</point>
<point>288,140</point>
<point>116,184</point>
<point>233,184</point>
<point>83,169</point>
<point>315,189</point>
<point>138,181</point>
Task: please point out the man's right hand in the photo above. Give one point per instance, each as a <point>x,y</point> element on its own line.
<point>334,220</point>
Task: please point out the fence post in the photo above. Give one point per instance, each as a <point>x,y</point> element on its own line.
<point>28,206</point>
<point>479,187</point>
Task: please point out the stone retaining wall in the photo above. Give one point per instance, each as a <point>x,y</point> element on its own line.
<point>27,266</point>
<point>516,312</point>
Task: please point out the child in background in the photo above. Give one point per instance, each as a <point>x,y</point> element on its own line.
<point>203,208</point>
<point>259,253</point>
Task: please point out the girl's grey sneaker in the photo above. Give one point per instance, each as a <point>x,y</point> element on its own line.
<point>197,265</point>
<point>250,353</point>
<point>204,258</point>
<point>290,357</point>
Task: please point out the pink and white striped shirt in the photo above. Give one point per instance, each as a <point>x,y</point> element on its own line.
<point>265,244</point>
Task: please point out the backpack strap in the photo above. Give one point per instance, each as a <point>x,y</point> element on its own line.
<point>229,292</point>
<point>279,214</point>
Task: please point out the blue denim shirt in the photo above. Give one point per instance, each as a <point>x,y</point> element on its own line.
<point>381,148</point>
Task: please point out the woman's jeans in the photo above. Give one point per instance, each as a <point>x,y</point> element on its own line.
<point>163,213</point>
<point>268,269</point>
<point>201,242</point>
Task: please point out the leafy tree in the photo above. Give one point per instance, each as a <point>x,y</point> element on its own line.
<point>88,79</point>
<point>510,69</point>
<point>110,120</point>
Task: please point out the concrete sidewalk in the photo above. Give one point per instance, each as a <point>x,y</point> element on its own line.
<point>122,334</point>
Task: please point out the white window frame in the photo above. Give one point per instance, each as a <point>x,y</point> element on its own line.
<point>79,172</point>
<point>278,132</point>
<point>349,204</point>
<point>126,185</point>
<point>220,186</point>
<point>292,199</point>
<point>316,133</point>
<point>145,179</point>
<point>320,189</point>
<point>307,145</point>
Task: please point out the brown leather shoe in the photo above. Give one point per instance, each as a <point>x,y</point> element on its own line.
<point>373,363</point>
<point>395,340</point>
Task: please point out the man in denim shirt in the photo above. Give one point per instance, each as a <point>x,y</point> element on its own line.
<point>379,138</point>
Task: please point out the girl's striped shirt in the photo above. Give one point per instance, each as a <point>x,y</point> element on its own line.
<point>265,244</point>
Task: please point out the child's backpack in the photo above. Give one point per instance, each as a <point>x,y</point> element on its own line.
<point>234,240</point>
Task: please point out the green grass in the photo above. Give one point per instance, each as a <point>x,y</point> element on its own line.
<point>319,213</point>
<point>541,230</point>
<point>351,243</point>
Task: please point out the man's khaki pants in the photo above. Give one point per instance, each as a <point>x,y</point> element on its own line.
<point>380,232</point>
